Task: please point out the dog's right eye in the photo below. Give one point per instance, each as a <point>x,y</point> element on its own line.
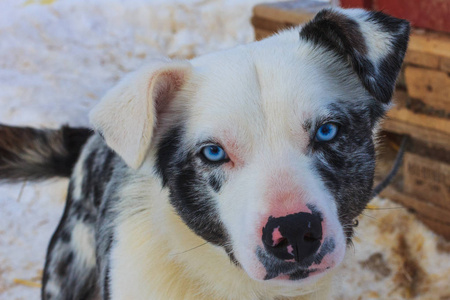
<point>214,153</point>
<point>326,132</point>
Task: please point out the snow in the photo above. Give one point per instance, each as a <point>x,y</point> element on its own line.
<point>57,58</point>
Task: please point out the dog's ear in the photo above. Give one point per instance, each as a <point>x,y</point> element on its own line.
<point>127,114</point>
<point>372,42</point>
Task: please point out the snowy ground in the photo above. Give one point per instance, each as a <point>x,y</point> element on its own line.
<point>56,60</point>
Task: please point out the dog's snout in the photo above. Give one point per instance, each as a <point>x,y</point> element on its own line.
<point>295,236</point>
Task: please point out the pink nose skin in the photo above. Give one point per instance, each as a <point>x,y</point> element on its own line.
<point>296,236</point>
<point>277,237</point>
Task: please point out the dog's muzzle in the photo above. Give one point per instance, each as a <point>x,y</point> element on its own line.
<point>293,237</point>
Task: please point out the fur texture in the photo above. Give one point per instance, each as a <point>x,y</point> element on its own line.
<point>32,154</point>
<point>150,216</point>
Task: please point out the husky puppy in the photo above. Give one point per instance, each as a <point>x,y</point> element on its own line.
<point>234,175</point>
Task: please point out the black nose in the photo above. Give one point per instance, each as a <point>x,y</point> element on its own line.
<point>296,236</point>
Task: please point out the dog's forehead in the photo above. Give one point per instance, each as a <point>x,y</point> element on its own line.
<point>270,87</point>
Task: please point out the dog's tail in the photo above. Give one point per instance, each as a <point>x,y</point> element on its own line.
<point>33,154</point>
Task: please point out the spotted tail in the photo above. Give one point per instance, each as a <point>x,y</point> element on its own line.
<point>33,154</point>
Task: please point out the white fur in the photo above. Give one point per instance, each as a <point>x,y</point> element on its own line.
<point>166,269</point>
<point>267,89</point>
<point>82,241</point>
<point>256,102</point>
<point>127,114</point>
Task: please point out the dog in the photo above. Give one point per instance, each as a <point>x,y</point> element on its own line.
<point>234,175</point>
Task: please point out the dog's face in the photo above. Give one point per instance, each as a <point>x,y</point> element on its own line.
<point>267,149</point>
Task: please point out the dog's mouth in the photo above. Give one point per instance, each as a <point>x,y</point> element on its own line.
<point>292,254</point>
<point>293,269</point>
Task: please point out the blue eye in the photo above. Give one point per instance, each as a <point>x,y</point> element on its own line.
<point>326,132</point>
<point>214,153</point>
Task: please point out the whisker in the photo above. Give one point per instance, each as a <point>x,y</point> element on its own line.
<point>386,208</point>
<point>189,249</point>
<point>368,216</point>
<point>21,191</point>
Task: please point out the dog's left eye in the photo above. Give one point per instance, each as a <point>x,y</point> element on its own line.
<point>214,153</point>
<point>326,132</point>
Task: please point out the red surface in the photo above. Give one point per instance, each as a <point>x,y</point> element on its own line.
<point>356,3</point>
<point>430,14</point>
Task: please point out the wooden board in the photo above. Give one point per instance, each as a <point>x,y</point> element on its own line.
<point>418,132</point>
<point>444,64</point>
<point>289,12</point>
<point>430,86</point>
<point>432,211</point>
<point>262,33</point>
<point>429,49</point>
<point>423,59</point>
<point>436,43</point>
<point>440,125</point>
<point>427,179</point>
<point>269,18</point>
<point>438,227</point>
<point>424,208</point>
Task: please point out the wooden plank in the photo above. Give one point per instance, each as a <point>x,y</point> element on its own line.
<point>430,86</point>
<point>293,12</point>
<point>423,208</point>
<point>432,14</point>
<point>438,227</point>
<point>405,115</point>
<point>262,34</point>
<point>268,25</point>
<point>418,132</point>
<point>435,43</point>
<point>422,59</point>
<point>445,64</point>
<point>427,179</point>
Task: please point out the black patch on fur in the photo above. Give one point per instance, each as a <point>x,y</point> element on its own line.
<point>74,139</point>
<point>215,183</point>
<point>70,288</point>
<point>65,235</point>
<point>276,267</point>
<point>106,287</point>
<point>55,237</point>
<point>347,163</point>
<point>99,168</point>
<point>189,192</point>
<point>78,281</point>
<point>342,35</point>
<point>105,221</point>
<point>63,265</point>
<point>299,274</point>
<point>327,247</point>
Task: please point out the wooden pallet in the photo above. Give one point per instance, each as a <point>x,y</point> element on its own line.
<point>422,111</point>
<point>422,185</point>
<point>268,18</point>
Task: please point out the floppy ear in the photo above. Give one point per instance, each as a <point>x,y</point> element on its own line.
<point>127,114</point>
<point>372,42</point>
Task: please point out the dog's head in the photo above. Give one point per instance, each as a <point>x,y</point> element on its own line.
<point>267,149</point>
